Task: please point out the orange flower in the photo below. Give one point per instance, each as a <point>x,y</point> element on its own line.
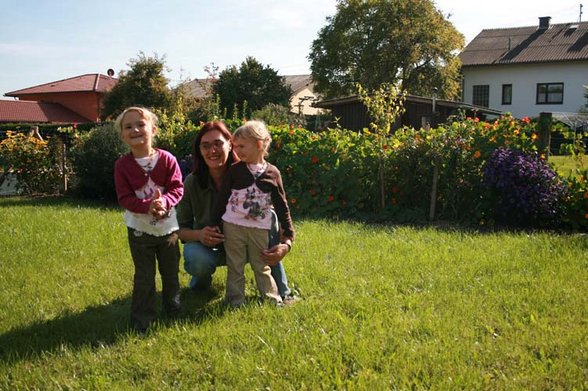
<point>477,154</point>
<point>331,198</point>
<point>534,136</point>
<point>516,132</point>
<point>293,201</point>
<point>586,195</point>
<point>476,120</point>
<point>586,216</point>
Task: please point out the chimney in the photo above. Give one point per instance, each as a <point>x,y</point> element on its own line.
<point>544,22</point>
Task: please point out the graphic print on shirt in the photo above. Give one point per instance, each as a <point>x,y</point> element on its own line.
<point>251,203</point>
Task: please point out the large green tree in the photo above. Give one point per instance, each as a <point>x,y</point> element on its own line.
<point>144,84</point>
<point>408,43</point>
<point>252,82</point>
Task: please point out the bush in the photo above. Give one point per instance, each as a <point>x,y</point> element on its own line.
<point>273,114</point>
<point>93,156</point>
<point>36,163</point>
<point>525,190</point>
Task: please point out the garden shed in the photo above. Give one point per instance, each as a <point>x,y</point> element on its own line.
<point>351,114</point>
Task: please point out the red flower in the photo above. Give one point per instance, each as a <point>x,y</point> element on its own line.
<point>477,154</point>
<point>526,120</point>
<point>476,120</point>
<point>331,198</point>
<point>314,159</point>
<point>394,189</point>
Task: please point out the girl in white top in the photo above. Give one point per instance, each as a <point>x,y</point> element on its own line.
<point>251,188</point>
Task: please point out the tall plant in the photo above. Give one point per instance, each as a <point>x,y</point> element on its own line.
<point>384,104</point>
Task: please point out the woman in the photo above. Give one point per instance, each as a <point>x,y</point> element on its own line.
<point>203,250</point>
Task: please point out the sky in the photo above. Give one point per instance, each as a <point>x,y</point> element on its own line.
<point>46,40</point>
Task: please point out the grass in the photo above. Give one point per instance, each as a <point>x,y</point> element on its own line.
<point>388,307</point>
<point>566,165</point>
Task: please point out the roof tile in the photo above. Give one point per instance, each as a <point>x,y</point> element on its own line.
<point>560,42</point>
<point>27,111</point>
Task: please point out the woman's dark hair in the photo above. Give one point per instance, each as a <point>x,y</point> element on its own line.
<point>200,169</point>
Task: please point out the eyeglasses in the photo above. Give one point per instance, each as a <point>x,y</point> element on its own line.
<point>217,144</point>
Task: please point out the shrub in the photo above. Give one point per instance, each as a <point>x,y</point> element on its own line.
<point>273,114</point>
<point>93,156</point>
<point>36,163</point>
<point>524,189</point>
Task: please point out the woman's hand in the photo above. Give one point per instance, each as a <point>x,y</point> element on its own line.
<point>274,255</point>
<point>211,236</point>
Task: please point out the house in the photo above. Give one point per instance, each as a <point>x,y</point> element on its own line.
<point>73,100</point>
<point>303,94</point>
<point>351,114</point>
<point>528,70</point>
<point>14,111</point>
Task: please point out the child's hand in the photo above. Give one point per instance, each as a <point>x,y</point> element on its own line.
<point>157,208</point>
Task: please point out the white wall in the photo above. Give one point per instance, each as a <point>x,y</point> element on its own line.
<point>306,108</point>
<point>524,79</point>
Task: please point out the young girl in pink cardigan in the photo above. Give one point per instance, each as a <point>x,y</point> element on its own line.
<point>148,185</point>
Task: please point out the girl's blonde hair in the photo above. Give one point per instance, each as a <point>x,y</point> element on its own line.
<point>145,113</point>
<point>255,130</point>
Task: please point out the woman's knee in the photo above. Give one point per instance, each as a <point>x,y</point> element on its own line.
<point>199,260</point>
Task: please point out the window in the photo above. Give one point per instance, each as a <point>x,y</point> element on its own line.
<point>481,96</point>
<point>507,94</point>
<point>549,93</point>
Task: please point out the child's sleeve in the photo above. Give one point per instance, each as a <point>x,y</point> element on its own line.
<point>281,206</point>
<point>174,188</point>
<point>124,192</point>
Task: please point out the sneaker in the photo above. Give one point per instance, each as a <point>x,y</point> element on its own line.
<point>291,299</point>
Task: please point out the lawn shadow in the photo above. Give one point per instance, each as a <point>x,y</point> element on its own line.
<point>98,326</point>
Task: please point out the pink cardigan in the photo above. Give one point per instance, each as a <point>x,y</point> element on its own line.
<point>129,176</point>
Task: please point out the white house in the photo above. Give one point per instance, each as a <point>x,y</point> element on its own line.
<point>528,70</point>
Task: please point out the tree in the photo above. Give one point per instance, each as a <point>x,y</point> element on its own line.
<point>253,83</point>
<point>144,85</point>
<point>407,43</point>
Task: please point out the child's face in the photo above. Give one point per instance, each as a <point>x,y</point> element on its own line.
<point>249,150</point>
<point>137,131</point>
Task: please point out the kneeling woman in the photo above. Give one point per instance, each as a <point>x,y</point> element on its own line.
<point>203,250</point>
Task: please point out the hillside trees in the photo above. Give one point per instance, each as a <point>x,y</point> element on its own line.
<point>251,82</point>
<point>408,43</point>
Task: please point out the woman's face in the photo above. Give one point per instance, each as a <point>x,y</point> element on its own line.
<point>215,149</point>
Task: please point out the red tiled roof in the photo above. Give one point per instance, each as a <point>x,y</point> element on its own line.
<point>559,42</point>
<point>26,111</point>
<point>93,82</point>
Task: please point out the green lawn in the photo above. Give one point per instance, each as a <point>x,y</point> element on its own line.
<point>566,165</point>
<point>388,307</point>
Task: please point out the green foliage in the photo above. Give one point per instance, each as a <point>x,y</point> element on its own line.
<point>93,156</point>
<point>273,114</point>
<point>175,134</point>
<point>335,173</point>
<point>253,83</point>
<point>143,85</point>
<point>385,106</point>
<point>409,44</point>
<point>384,307</point>
<point>36,163</point>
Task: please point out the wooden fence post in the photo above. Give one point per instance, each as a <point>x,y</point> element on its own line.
<point>545,122</point>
